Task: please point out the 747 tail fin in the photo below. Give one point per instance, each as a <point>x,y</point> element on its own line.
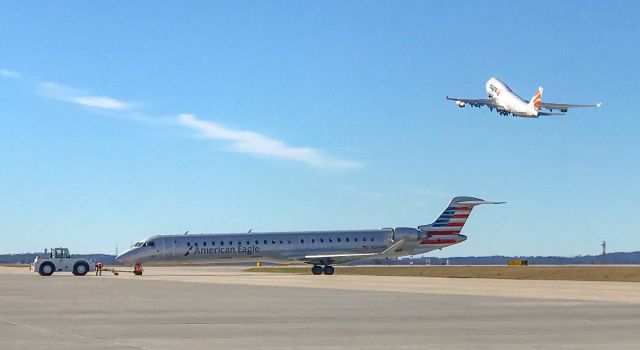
<point>535,100</point>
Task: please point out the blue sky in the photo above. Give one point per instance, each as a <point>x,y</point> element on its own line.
<point>121,120</point>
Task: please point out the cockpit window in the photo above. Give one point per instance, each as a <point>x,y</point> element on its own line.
<point>138,244</point>
<point>150,244</point>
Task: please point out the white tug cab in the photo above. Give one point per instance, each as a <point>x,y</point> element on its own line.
<point>59,260</point>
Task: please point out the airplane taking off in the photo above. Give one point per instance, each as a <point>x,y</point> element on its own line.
<point>506,102</point>
<point>319,248</point>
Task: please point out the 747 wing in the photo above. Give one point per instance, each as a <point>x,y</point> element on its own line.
<point>563,107</point>
<point>475,102</point>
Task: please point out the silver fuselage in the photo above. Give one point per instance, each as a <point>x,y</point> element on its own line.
<point>276,246</point>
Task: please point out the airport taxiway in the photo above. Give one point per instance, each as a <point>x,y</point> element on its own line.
<point>225,308</point>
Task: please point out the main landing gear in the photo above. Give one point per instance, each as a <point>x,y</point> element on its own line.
<point>319,270</point>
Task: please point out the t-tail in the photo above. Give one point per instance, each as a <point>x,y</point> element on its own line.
<point>446,229</point>
<point>534,103</point>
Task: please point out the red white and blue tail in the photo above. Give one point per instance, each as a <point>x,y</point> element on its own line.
<point>449,224</point>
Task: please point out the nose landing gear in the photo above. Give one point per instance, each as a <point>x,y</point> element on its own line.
<point>319,270</point>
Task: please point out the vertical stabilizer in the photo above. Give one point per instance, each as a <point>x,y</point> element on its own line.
<point>453,218</point>
<point>535,100</point>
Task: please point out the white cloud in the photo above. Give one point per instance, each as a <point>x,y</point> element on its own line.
<point>100,102</point>
<point>9,74</point>
<point>257,144</point>
<point>241,141</point>
<point>71,95</point>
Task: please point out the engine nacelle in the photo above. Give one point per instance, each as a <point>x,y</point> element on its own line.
<point>460,104</point>
<point>407,233</point>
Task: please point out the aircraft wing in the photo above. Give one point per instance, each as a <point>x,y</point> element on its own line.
<point>549,113</point>
<point>475,102</point>
<point>563,107</point>
<point>327,259</point>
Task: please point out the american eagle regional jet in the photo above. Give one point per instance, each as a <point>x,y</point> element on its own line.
<point>506,102</point>
<point>320,248</point>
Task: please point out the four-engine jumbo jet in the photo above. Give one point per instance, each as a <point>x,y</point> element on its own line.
<point>506,102</point>
<point>319,248</point>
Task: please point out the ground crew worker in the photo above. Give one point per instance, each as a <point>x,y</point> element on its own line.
<point>99,268</point>
<point>137,269</point>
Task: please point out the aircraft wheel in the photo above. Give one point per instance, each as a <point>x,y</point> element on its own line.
<point>328,270</point>
<point>80,268</point>
<point>316,270</point>
<point>46,269</point>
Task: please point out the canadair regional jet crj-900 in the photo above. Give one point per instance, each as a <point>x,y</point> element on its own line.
<point>319,248</point>
<point>506,102</point>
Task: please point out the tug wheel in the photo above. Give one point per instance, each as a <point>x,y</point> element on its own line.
<point>80,268</point>
<point>46,269</point>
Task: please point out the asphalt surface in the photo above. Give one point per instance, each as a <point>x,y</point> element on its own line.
<point>67,312</point>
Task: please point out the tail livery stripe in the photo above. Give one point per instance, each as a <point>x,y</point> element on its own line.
<point>439,241</point>
<point>455,215</point>
<point>535,100</point>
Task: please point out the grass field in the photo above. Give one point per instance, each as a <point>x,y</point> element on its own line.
<point>571,273</point>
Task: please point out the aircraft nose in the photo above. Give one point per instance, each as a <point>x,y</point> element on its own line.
<point>126,257</point>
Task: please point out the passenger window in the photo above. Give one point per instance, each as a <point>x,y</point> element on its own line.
<point>257,241</point>
<point>248,242</point>
<point>313,240</point>
<point>280,242</point>
<point>221,242</point>
<point>289,242</point>
<point>302,241</point>
<point>371,239</point>
<point>230,242</point>
<point>188,243</point>
<point>347,239</point>
<point>213,243</point>
<point>195,244</point>
<point>273,241</point>
<point>204,244</point>
<point>321,240</point>
<point>330,240</point>
<point>338,239</point>
<point>364,239</point>
<point>355,239</point>
<point>265,241</point>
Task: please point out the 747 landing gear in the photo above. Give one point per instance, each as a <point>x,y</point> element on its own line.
<point>319,270</point>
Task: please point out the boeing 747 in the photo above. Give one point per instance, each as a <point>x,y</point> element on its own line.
<point>506,102</point>
<point>321,249</point>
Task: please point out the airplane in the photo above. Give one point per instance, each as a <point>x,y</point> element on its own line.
<point>506,102</point>
<point>321,249</point>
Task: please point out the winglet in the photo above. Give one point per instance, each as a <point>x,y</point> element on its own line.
<point>599,104</point>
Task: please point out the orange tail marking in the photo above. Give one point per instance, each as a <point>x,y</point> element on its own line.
<point>536,99</point>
